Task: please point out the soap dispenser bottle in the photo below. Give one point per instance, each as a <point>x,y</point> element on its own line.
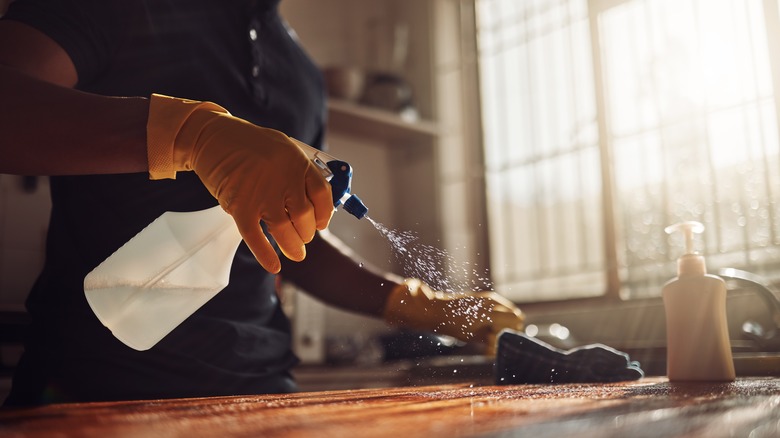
<point>697,338</point>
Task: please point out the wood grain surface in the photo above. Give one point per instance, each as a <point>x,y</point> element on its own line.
<point>649,407</point>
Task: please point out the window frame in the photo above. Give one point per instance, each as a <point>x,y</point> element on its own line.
<point>611,244</point>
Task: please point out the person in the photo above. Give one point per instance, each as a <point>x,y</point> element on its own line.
<point>134,108</point>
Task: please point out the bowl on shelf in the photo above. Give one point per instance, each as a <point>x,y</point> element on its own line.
<point>344,82</point>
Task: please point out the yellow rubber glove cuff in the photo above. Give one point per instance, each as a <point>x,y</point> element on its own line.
<point>468,316</point>
<point>167,116</point>
<point>255,173</point>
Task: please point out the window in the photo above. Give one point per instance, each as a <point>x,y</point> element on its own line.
<point>605,121</point>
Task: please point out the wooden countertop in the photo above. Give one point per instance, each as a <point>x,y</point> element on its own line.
<point>649,407</point>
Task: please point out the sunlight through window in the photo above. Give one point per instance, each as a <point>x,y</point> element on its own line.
<point>606,120</point>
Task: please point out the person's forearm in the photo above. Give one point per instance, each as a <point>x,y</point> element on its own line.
<point>334,275</point>
<point>47,129</point>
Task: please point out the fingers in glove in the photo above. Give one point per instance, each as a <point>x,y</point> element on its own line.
<point>301,214</point>
<point>259,245</point>
<point>319,193</point>
<point>287,238</point>
<point>505,319</point>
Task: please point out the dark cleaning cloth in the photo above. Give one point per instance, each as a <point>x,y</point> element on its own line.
<point>523,359</point>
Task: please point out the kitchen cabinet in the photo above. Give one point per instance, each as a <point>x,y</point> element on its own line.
<point>421,177</point>
<point>394,160</point>
<point>364,121</point>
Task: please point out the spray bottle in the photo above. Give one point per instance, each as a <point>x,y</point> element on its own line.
<point>698,346</point>
<point>180,261</point>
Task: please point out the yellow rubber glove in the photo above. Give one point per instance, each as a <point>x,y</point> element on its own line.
<point>255,173</point>
<point>468,316</point>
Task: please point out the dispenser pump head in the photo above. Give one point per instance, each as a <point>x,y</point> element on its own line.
<point>690,263</point>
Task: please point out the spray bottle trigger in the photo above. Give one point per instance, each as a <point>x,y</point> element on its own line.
<point>339,174</point>
<point>341,180</point>
<point>323,168</point>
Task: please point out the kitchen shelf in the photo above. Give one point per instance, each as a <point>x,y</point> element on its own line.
<point>351,118</point>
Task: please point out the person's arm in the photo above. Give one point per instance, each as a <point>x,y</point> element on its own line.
<point>255,173</point>
<point>334,274</point>
<point>39,112</point>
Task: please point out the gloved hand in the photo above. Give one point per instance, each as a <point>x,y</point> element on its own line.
<point>468,316</point>
<point>255,173</point>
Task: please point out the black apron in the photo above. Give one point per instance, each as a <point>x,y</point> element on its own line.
<point>238,54</point>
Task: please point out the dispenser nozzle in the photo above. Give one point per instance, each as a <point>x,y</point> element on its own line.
<point>688,229</point>
<point>689,263</point>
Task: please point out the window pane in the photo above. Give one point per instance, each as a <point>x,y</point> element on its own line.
<point>691,129</point>
<point>541,147</point>
<point>693,134</point>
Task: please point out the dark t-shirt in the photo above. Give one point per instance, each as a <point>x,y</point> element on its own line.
<point>237,53</point>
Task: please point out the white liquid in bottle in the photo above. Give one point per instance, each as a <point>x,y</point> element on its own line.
<point>698,346</point>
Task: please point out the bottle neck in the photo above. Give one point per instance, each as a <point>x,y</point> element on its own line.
<point>689,265</point>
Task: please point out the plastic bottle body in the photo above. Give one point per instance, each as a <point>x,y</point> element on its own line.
<point>163,275</point>
<point>698,346</point>
<point>180,261</point>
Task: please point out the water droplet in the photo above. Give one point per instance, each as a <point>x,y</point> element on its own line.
<point>438,269</point>
<point>360,265</point>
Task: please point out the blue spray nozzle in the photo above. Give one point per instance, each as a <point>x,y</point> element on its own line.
<point>340,186</point>
<point>339,174</point>
<point>354,206</point>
